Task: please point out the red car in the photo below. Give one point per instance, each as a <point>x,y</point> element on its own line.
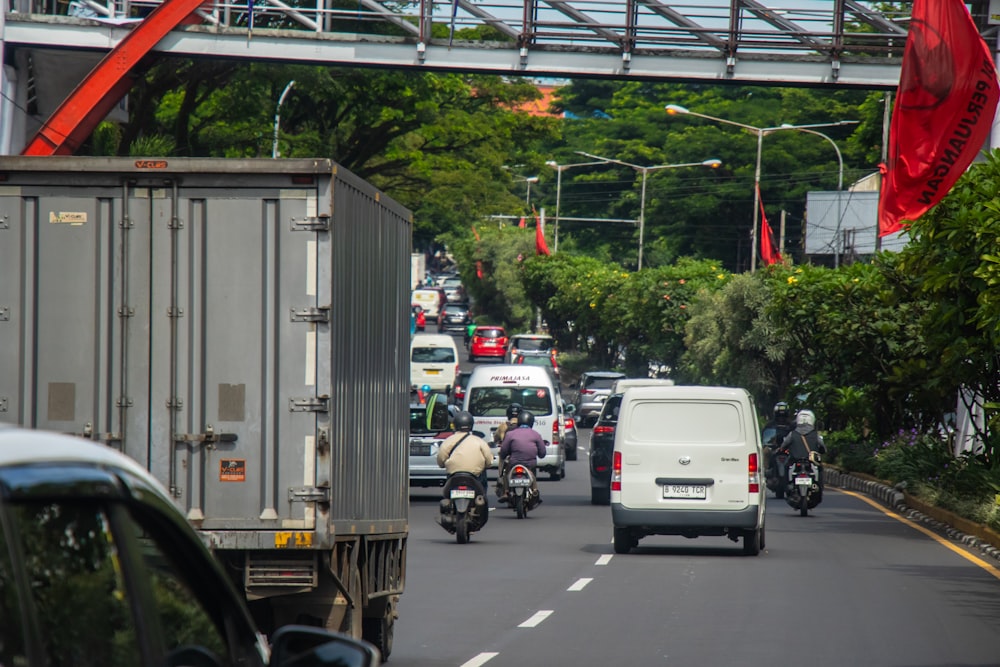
<point>488,342</point>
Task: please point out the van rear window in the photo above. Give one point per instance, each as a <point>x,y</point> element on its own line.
<point>432,355</point>
<point>680,422</point>
<point>494,401</point>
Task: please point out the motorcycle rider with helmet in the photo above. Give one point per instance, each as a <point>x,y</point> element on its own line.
<point>521,445</point>
<point>513,410</point>
<point>774,433</point>
<point>805,439</point>
<point>463,451</point>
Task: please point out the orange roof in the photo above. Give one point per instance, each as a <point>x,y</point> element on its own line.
<point>540,107</point>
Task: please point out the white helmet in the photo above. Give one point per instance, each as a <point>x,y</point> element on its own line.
<point>805,418</point>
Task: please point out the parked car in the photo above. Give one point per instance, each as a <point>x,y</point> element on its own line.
<point>530,344</point>
<point>454,318</point>
<point>590,392</point>
<point>99,567</point>
<point>488,341</point>
<point>430,425</point>
<point>602,444</point>
<point>546,361</point>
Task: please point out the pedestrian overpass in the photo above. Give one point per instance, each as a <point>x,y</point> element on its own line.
<point>66,65</point>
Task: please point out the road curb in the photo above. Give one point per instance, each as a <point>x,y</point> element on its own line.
<point>898,501</point>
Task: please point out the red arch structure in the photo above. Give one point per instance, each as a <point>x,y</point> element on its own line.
<point>97,94</point>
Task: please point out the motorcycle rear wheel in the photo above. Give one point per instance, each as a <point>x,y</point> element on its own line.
<point>803,505</point>
<point>519,507</point>
<point>462,529</point>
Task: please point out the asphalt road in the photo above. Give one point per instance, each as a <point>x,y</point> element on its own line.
<point>847,585</point>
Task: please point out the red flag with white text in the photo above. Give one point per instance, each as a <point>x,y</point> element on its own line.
<point>768,250</point>
<point>943,114</point>
<point>541,247</point>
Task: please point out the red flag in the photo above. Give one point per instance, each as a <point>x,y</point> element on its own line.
<point>541,247</point>
<point>768,252</point>
<point>522,224</point>
<point>944,110</point>
<point>479,269</point>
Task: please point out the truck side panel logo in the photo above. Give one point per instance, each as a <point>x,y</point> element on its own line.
<point>233,470</point>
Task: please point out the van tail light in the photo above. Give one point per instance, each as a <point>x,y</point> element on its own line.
<point>616,472</point>
<point>555,431</point>
<point>754,473</point>
<point>602,429</point>
<point>586,391</point>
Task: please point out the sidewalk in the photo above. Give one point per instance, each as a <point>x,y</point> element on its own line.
<point>942,521</point>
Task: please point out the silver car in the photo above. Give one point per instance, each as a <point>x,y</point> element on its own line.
<point>426,436</point>
<point>529,345</point>
<point>590,392</point>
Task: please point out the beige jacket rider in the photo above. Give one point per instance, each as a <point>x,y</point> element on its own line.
<point>473,456</point>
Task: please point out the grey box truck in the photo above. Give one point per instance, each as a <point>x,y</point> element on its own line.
<point>240,328</point>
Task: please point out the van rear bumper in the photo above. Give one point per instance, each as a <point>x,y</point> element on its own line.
<point>669,522</point>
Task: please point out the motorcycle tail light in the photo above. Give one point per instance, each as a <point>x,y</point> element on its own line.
<point>616,472</point>
<point>753,471</point>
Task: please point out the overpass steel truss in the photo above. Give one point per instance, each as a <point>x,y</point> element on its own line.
<point>791,42</point>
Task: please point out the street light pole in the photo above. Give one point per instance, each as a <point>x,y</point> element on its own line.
<point>713,163</point>
<point>840,187</point>
<point>277,117</point>
<point>674,109</point>
<point>560,168</point>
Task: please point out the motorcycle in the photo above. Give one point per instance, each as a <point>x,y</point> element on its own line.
<point>776,475</point>
<point>520,493</point>
<point>463,509</point>
<point>802,491</point>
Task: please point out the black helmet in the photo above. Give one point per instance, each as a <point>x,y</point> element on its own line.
<point>513,411</point>
<point>464,421</point>
<point>780,410</point>
<point>525,419</point>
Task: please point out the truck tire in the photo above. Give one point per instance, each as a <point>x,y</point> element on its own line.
<point>379,631</point>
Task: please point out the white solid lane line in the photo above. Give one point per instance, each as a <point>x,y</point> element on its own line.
<point>536,619</point>
<point>603,560</point>
<point>480,659</point>
<point>580,583</point>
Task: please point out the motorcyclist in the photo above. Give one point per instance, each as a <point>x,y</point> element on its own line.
<point>805,439</point>
<point>522,445</point>
<point>464,451</point>
<point>513,410</point>
<point>774,434</point>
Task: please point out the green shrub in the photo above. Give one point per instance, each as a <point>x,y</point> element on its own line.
<point>851,451</point>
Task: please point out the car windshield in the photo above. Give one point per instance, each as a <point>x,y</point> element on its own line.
<point>432,355</point>
<point>494,401</point>
<point>489,333</point>
<point>594,382</point>
<point>534,344</point>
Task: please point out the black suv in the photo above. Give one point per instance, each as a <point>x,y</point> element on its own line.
<point>602,445</point>
<point>454,318</point>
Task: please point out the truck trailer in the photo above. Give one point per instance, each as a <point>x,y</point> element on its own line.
<point>240,328</point>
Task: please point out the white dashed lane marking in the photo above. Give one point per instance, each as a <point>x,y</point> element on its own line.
<point>480,659</point>
<point>536,619</point>
<point>580,583</point>
<point>603,560</point>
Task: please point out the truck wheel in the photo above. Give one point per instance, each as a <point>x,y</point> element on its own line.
<point>379,631</point>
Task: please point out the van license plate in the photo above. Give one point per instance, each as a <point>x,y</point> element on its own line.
<point>433,371</point>
<point>684,491</point>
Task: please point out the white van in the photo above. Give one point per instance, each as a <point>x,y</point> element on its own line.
<point>491,389</point>
<point>433,361</point>
<point>620,385</point>
<point>687,461</point>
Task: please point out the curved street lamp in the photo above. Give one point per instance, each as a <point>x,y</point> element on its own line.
<point>560,168</point>
<point>713,163</point>
<point>674,109</point>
